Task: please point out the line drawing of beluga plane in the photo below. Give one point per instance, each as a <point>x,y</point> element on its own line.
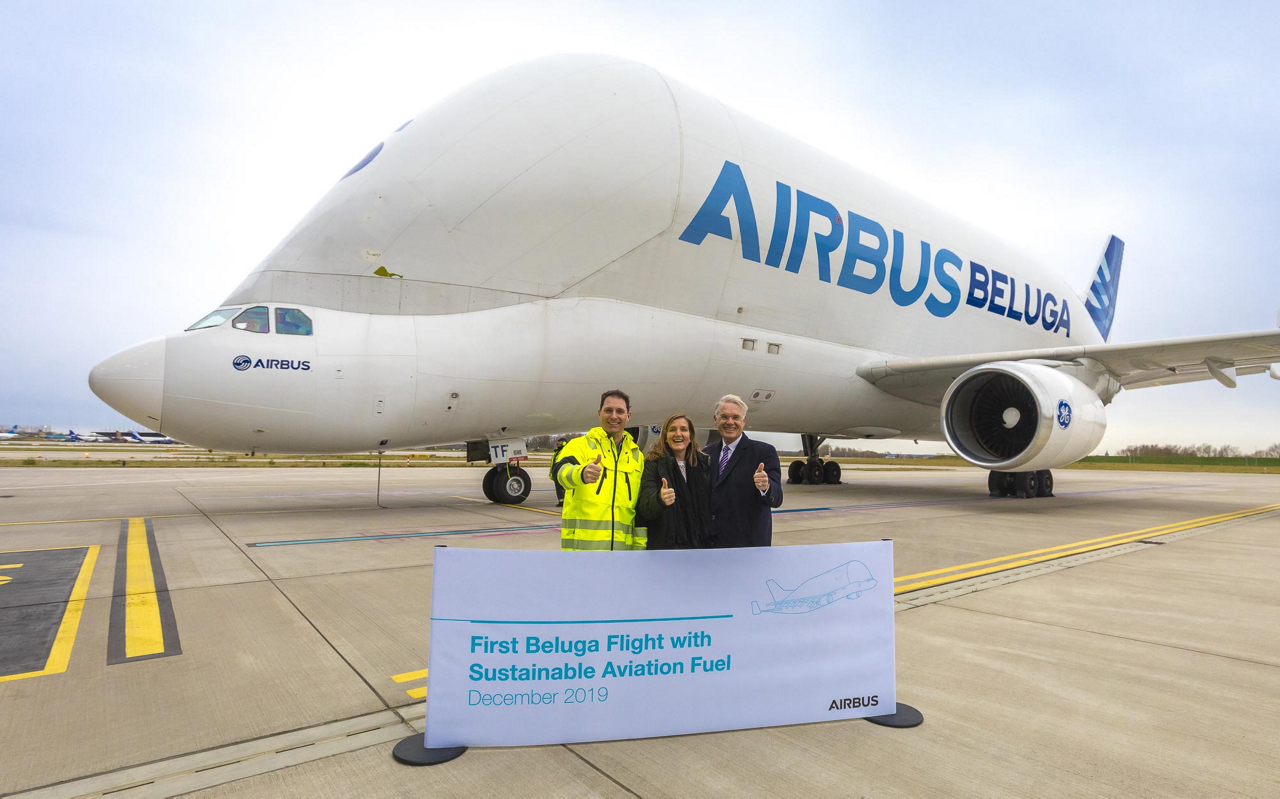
<point>846,581</point>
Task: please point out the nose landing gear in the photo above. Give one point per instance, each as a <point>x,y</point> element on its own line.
<point>506,484</point>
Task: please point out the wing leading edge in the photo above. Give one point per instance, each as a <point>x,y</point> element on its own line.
<point>1152,363</point>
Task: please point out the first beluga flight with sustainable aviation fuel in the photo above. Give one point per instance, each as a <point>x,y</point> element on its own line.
<point>581,223</point>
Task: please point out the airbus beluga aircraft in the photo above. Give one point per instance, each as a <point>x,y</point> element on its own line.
<point>581,223</point>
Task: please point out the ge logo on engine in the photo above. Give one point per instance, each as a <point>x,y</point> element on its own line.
<point>242,362</point>
<point>1064,414</point>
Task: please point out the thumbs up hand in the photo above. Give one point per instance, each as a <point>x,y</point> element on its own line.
<point>667,495</point>
<point>761,479</point>
<point>591,472</point>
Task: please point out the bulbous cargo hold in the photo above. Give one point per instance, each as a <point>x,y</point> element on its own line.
<point>1008,416</point>
<point>580,176</point>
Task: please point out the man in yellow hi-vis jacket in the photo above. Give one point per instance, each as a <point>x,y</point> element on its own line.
<point>601,476</point>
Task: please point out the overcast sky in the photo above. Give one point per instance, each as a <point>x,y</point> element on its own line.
<point>152,153</point>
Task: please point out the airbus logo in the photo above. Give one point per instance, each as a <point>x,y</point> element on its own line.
<point>1064,414</point>
<point>866,267</point>
<point>244,362</point>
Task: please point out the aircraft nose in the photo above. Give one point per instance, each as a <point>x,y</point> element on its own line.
<point>132,382</point>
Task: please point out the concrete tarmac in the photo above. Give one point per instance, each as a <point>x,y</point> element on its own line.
<point>1121,638</point>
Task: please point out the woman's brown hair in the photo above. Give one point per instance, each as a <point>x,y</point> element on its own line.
<point>659,448</point>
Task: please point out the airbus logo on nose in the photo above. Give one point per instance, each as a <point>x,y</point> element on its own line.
<point>242,362</point>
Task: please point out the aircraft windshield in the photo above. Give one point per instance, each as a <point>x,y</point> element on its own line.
<point>214,319</point>
<point>256,320</point>
<point>292,322</point>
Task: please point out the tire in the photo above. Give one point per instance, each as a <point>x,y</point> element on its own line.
<point>1025,484</point>
<point>831,473</point>
<point>1044,484</point>
<point>511,486</point>
<point>813,473</point>
<point>995,484</point>
<point>795,472</point>
<point>486,485</point>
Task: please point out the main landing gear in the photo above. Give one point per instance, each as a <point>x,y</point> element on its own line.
<point>813,470</point>
<point>506,484</point>
<point>1020,484</point>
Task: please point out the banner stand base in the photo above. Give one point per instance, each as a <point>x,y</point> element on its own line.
<point>904,716</point>
<point>412,752</point>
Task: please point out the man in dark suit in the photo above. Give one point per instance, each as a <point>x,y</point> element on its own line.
<point>746,482</point>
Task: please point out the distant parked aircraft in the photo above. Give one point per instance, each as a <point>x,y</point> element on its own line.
<point>133,436</point>
<point>13,432</point>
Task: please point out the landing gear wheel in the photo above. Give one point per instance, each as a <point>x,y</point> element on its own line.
<point>813,474</point>
<point>831,473</point>
<point>1025,485</point>
<point>795,472</point>
<point>511,485</point>
<point>486,485</point>
<point>995,484</point>
<point>1044,486</point>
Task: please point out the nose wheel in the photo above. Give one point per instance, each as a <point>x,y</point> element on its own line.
<point>506,484</point>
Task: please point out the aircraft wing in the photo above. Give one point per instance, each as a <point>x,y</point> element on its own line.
<point>1152,363</point>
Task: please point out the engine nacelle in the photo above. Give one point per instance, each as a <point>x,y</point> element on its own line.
<point>1018,417</point>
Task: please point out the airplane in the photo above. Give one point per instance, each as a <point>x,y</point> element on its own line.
<point>137,439</point>
<point>846,581</point>
<point>581,223</point>
<point>12,433</point>
<point>87,438</point>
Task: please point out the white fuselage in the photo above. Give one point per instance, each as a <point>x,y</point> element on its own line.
<point>578,224</point>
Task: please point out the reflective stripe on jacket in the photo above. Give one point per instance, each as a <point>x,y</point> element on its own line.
<point>600,515</point>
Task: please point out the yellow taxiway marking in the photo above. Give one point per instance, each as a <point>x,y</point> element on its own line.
<point>1007,562</point>
<point>104,519</point>
<point>5,578</point>
<point>143,634</point>
<point>532,510</point>
<point>60,654</point>
<point>470,499</point>
<point>409,675</point>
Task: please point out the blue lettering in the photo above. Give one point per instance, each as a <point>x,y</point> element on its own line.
<point>1013,297</point>
<point>306,366</point>
<point>710,219</point>
<point>978,282</point>
<point>258,364</point>
<point>856,251</point>
<point>1050,318</point>
<point>1064,321</point>
<point>944,278</point>
<point>1031,318</point>
<point>998,281</point>
<point>900,295</point>
<point>824,243</point>
<point>781,222</point>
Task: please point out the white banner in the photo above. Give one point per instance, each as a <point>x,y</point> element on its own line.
<point>552,647</point>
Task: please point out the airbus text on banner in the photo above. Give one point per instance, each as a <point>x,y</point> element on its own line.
<point>548,647</point>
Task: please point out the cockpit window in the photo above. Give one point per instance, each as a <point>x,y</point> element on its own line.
<point>292,322</point>
<point>256,320</point>
<point>214,319</point>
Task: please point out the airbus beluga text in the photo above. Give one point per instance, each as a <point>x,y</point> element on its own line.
<point>580,223</point>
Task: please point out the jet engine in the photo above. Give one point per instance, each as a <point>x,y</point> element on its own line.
<point>1010,416</point>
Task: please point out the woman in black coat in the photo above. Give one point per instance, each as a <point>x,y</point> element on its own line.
<point>675,490</point>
